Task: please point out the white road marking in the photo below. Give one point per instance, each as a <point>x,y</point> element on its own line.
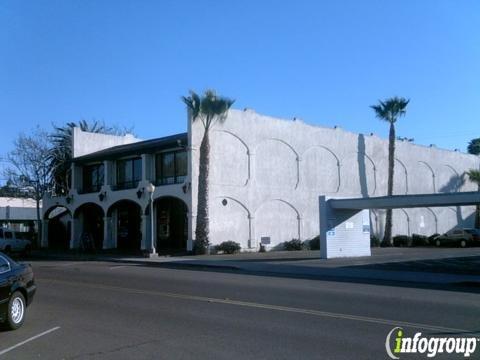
<point>270,307</point>
<point>2,352</point>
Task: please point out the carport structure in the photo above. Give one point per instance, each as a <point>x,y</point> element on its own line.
<point>345,222</point>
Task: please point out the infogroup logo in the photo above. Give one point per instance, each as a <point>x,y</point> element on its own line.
<point>397,344</point>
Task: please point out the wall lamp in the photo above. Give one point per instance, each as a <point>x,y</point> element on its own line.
<point>69,199</point>
<point>102,196</point>
<point>140,192</point>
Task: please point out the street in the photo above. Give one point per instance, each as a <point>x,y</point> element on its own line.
<point>104,310</point>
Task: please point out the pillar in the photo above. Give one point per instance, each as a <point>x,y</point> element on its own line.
<point>107,233</point>
<point>44,240</point>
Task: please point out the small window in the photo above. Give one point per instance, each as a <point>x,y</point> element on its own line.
<point>171,167</point>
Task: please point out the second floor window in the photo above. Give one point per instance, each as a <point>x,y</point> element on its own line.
<point>129,173</point>
<point>93,177</point>
<point>171,167</point>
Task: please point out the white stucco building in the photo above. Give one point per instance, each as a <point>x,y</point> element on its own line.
<point>265,181</point>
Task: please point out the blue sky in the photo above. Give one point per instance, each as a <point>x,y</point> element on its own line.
<point>128,63</point>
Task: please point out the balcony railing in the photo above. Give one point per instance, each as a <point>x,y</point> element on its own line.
<point>90,189</point>
<point>125,185</point>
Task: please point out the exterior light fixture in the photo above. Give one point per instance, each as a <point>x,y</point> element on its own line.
<point>150,190</point>
<point>102,196</point>
<point>140,192</point>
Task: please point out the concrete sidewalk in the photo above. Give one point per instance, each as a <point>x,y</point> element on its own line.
<point>381,266</point>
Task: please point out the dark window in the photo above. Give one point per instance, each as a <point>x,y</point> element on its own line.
<point>93,177</point>
<point>171,167</point>
<point>129,173</point>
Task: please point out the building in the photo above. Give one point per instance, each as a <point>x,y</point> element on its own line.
<point>266,176</point>
<point>19,214</point>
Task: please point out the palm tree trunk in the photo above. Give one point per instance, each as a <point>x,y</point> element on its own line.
<point>202,228</point>
<point>387,237</point>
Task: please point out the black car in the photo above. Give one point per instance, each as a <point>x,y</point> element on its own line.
<point>17,288</point>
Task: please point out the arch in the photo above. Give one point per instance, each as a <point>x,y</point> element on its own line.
<point>126,216</point>
<point>363,175</point>
<point>318,173</point>
<point>278,220</point>
<point>279,171</point>
<point>91,221</point>
<point>50,211</point>
<point>171,224</point>
<point>58,227</point>
<point>449,180</point>
<point>401,222</point>
<point>233,159</point>
<point>230,220</point>
<point>400,183</point>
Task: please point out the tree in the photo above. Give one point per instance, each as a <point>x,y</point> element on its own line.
<point>61,152</point>
<point>390,111</point>
<point>28,169</point>
<point>474,176</point>
<point>474,146</point>
<point>208,108</point>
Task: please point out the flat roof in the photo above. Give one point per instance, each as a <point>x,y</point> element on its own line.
<point>407,201</point>
<point>136,148</point>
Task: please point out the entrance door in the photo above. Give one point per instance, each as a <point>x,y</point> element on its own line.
<point>172,227</point>
<point>128,228</point>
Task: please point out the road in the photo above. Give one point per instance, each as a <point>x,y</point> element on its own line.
<point>101,310</point>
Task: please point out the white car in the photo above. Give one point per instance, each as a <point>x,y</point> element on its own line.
<point>11,241</point>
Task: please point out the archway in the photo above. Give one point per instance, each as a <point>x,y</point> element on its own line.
<point>127,221</point>
<point>91,220</point>
<point>59,226</point>
<point>172,224</point>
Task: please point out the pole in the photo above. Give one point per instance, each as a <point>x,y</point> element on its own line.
<point>152,235</point>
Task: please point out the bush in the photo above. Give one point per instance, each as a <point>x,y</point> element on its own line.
<point>313,243</point>
<point>293,245</point>
<point>262,248</point>
<point>228,247</point>
<point>402,240</point>
<point>419,240</point>
<point>374,241</point>
<point>432,238</point>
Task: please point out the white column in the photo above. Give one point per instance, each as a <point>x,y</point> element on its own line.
<point>75,233</point>
<point>107,233</point>
<point>145,245</point>
<point>107,173</point>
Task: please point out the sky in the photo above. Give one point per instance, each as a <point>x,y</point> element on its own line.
<point>128,63</point>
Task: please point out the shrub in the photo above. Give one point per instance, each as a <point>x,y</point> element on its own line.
<point>419,240</point>
<point>228,247</point>
<point>402,240</point>
<point>262,248</point>
<point>374,241</point>
<point>293,245</point>
<point>313,243</point>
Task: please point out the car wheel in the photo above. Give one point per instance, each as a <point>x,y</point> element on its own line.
<point>463,243</point>
<point>437,243</point>
<point>16,311</point>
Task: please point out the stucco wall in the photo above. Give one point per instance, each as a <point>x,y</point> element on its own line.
<point>86,142</point>
<point>270,172</point>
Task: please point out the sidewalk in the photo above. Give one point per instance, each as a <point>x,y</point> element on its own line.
<point>407,265</point>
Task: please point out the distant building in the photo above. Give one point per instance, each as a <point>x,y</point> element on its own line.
<point>266,175</point>
<point>18,213</point>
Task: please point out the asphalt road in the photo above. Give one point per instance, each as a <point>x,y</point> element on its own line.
<point>94,310</point>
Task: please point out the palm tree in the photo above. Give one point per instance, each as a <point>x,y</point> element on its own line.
<point>208,108</point>
<point>474,176</point>
<point>390,111</point>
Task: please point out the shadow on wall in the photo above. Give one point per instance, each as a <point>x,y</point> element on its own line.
<point>454,184</point>
<point>362,172</point>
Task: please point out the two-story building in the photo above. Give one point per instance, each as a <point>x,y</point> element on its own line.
<point>265,179</point>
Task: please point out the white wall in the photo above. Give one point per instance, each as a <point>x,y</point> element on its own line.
<point>272,171</point>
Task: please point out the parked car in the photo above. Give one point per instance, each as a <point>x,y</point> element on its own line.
<point>17,288</point>
<point>459,237</point>
<point>12,241</point>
